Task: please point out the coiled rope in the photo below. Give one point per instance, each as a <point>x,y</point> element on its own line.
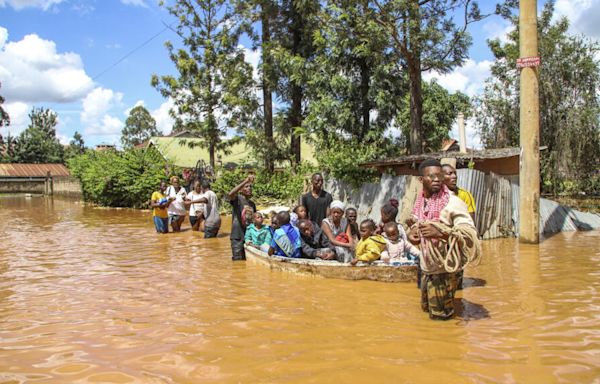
<point>455,253</point>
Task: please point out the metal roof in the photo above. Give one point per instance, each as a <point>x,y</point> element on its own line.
<point>32,170</point>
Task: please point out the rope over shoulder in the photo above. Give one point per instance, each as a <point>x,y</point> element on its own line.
<point>460,249</point>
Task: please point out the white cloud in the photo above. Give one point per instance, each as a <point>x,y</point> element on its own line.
<point>96,117</point>
<point>253,58</point>
<point>19,117</point>
<point>468,79</point>
<point>498,29</point>
<point>582,14</point>
<point>164,121</point>
<point>137,3</point>
<point>20,4</point>
<point>31,71</point>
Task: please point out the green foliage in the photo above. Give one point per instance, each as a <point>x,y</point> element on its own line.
<point>38,143</point>
<point>569,79</point>
<point>214,88</point>
<point>139,127</point>
<point>342,159</point>
<point>76,146</point>
<point>269,188</point>
<point>119,179</point>
<point>440,108</point>
<point>426,37</point>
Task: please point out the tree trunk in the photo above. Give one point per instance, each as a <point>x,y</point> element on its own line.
<point>296,121</point>
<point>295,117</point>
<point>416,106</point>
<point>364,93</point>
<point>266,87</point>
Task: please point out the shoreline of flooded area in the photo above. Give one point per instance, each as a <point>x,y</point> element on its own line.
<point>95,295</point>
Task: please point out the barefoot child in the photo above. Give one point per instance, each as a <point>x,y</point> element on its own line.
<point>370,246</point>
<point>397,250</point>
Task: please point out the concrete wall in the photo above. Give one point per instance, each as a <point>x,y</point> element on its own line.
<point>22,185</point>
<point>66,186</point>
<point>57,185</point>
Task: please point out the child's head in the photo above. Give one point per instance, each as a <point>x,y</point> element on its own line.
<point>391,231</point>
<point>367,228</point>
<point>283,218</point>
<point>351,215</point>
<point>258,219</point>
<point>197,186</point>
<point>389,211</point>
<point>305,227</point>
<point>274,222</point>
<point>300,210</point>
<point>272,214</point>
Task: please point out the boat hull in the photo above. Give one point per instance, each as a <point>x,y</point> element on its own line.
<point>333,269</point>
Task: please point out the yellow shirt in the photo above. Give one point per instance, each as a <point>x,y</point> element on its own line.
<point>371,248</point>
<point>160,212</point>
<point>467,198</point>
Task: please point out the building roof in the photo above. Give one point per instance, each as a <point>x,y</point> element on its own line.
<point>179,151</point>
<point>32,170</point>
<point>495,153</point>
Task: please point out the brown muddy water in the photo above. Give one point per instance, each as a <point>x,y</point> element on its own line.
<point>91,295</point>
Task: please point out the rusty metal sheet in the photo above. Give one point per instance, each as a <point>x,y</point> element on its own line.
<point>32,170</point>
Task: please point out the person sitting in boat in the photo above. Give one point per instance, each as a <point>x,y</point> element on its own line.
<point>274,224</point>
<point>257,234</point>
<point>336,228</point>
<point>389,212</point>
<point>371,245</point>
<point>448,239</point>
<point>351,216</point>
<point>398,251</point>
<point>286,239</point>
<point>314,242</point>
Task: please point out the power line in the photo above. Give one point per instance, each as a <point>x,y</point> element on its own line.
<point>131,52</point>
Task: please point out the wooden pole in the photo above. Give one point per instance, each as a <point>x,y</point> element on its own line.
<point>462,134</point>
<point>529,174</point>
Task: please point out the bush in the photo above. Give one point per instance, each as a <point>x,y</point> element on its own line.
<point>280,187</point>
<point>119,179</point>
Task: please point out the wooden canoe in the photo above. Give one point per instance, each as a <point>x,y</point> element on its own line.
<point>334,269</point>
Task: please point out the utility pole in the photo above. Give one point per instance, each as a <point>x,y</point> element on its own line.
<point>529,173</point>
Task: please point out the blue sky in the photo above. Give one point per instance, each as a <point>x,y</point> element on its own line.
<point>68,55</point>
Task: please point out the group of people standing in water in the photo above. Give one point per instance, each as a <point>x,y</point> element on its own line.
<point>323,228</point>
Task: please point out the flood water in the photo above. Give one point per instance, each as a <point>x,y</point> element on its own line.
<point>91,295</point>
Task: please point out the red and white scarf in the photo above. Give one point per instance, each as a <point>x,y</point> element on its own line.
<point>429,209</point>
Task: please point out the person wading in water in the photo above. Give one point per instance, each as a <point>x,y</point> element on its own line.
<point>448,239</point>
<point>239,197</point>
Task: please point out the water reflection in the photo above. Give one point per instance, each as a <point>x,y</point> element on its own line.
<point>95,295</point>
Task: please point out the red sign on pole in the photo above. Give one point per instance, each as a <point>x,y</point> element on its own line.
<point>526,62</point>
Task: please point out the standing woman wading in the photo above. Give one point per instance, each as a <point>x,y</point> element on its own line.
<point>176,209</point>
<point>159,203</point>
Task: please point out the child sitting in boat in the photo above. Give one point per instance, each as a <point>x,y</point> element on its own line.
<point>397,250</point>
<point>257,234</point>
<point>389,212</point>
<point>370,246</point>
<point>286,239</point>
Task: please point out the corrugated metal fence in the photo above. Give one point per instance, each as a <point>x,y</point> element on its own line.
<point>496,197</point>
